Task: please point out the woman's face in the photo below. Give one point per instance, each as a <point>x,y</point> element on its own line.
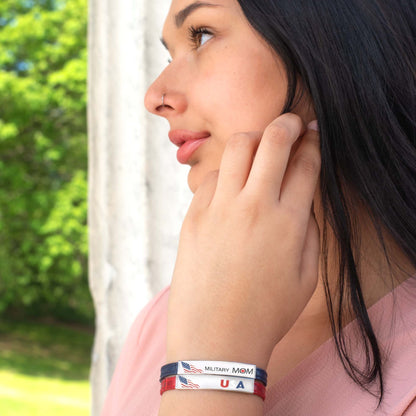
<point>223,79</point>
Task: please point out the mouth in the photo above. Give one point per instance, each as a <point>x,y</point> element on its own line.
<point>188,142</point>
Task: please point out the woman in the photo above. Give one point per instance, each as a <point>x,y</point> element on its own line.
<point>301,267</point>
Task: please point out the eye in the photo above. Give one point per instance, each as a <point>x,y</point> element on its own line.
<point>199,35</point>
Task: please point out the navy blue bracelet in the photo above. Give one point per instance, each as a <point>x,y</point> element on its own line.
<point>214,368</point>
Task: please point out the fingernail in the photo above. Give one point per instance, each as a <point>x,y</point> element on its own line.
<point>313,125</point>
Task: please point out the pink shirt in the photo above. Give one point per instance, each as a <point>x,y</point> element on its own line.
<point>317,386</point>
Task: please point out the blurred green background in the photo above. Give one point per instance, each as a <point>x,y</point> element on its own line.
<point>46,312</point>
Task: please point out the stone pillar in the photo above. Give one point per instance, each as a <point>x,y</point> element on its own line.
<point>137,191</point>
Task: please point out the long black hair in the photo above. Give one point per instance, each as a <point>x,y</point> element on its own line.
<point>357,61</point>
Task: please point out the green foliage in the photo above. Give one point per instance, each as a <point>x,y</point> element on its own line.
<point>43,159</point>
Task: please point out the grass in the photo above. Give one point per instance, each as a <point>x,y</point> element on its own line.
<point>44,369</point>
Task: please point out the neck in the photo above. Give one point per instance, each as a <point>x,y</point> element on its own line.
<point>380,270</point>
<point>381,267</point>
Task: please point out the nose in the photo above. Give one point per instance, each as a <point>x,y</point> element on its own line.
<point>164,97</point>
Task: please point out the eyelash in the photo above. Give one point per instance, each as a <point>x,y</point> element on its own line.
<point>194,36</point>
<point>195,33</point>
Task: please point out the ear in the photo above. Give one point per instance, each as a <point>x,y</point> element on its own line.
<point>304,107</point>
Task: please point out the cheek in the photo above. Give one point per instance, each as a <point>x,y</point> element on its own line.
<point>263,89</point>
<point>242,92</point>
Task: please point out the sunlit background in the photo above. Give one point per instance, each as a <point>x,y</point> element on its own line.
<point>46,326</point>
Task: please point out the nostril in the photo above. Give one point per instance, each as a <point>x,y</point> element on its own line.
<point>163,106</point>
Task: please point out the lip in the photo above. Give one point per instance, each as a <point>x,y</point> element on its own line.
<point>187,141</point>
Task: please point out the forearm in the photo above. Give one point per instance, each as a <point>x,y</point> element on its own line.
<point>210,403</point>
<point>238,286</point>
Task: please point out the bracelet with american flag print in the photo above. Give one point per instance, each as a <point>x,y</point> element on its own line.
<point>218,368</point>
<point>213,382</point>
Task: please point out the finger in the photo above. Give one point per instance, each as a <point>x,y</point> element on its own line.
<point>300,181</point>
<point>310,257</point>
<point>236,163</point>
<point>272,155</point>
<point>205,192</point>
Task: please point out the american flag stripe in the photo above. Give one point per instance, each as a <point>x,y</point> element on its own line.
<point>190,385</point>
<point>187,384</point>
<point>190,369</point>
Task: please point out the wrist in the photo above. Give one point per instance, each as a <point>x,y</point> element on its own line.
<point>209,402</point>
<point>218,350</point>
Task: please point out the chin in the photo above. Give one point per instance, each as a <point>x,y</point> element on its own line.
<point>193,181</point>
<point>198,172</point>
<point>196,176</point>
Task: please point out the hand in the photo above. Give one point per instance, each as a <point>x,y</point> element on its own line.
<point>248,254</point>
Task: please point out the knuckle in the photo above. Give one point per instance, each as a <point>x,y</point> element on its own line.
<point>210,177</point>
<point>250,214</point>
<point>213,174</point>
<point>278,133</point>
<point>292,118</point>
<point>307,163</point>
<point>289,216</point>
<point>253,205</point>
<point>290,221</point>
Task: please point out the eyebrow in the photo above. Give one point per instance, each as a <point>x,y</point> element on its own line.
<point>181,16</point>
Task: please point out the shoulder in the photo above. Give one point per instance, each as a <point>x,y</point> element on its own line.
<point>135,384</point>
<point>400,349</point>
<point>152,316</point>
<point>323,384</point>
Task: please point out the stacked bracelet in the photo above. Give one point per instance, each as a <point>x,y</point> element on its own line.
<point>214,375</point>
